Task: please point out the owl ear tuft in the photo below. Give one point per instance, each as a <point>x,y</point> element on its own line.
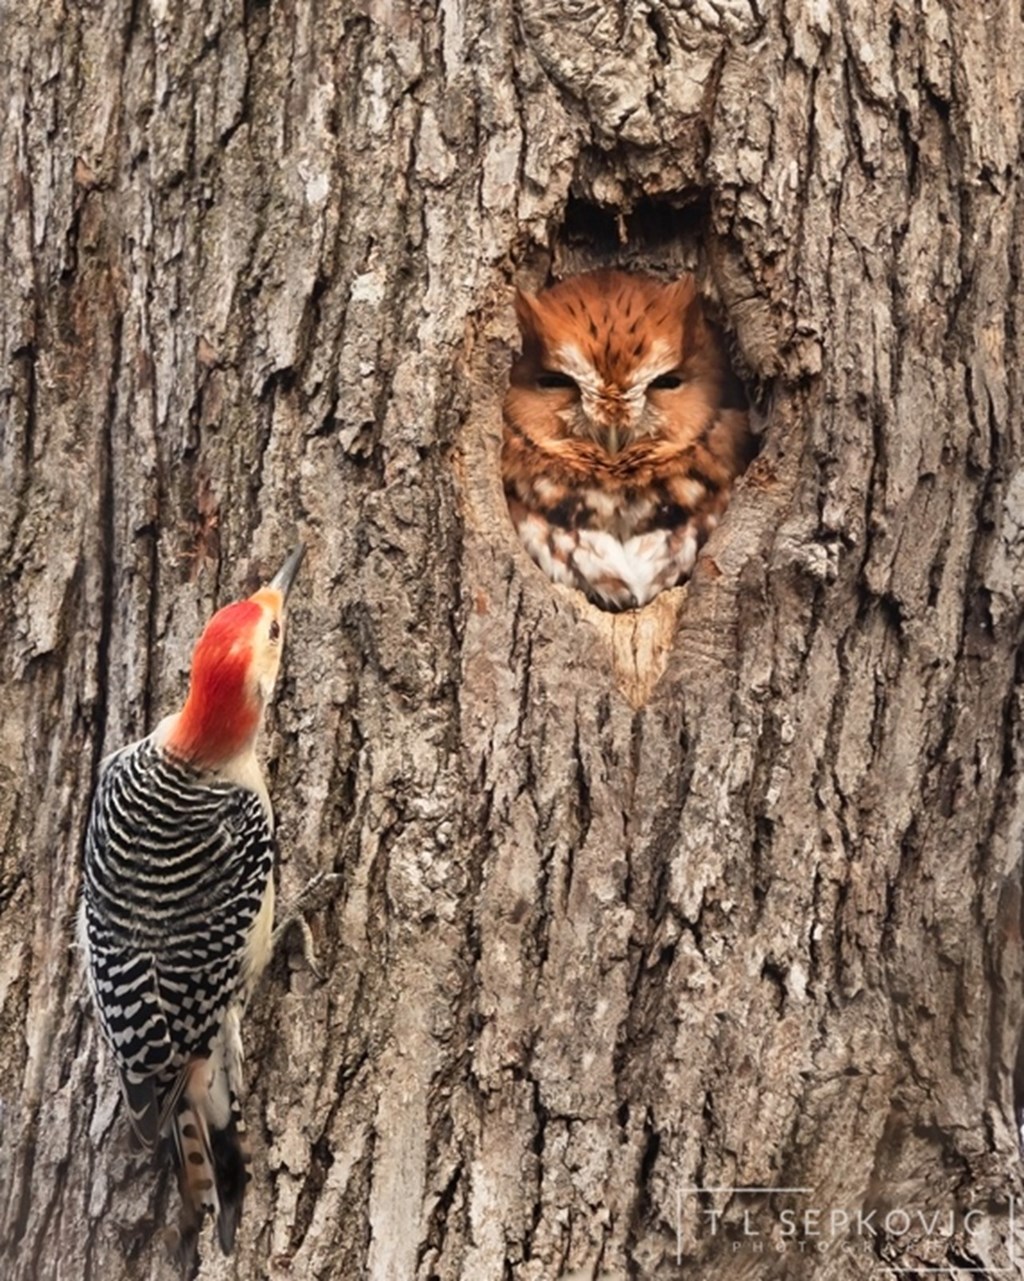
<point>686,300</point>
<point>528,314</point>
<point>684,294</point>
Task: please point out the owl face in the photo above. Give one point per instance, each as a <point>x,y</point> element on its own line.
<point>620,446</point>
<point>614,358</point>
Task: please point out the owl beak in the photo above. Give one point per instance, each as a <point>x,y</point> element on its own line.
<point>608,421</point>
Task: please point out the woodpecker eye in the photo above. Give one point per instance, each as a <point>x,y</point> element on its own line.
<point>275,630</point>
<point>551,378</point>
<point>665,382</point>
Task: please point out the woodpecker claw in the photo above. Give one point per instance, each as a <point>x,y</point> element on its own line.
<point>309,948</point>
<point>320,891</point>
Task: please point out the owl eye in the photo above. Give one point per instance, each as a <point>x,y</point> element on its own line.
<point>549,378</point>
<point>665,382</point>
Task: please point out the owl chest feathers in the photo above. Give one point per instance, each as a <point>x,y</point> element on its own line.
<point>620,543</point>
<point>621,512</point>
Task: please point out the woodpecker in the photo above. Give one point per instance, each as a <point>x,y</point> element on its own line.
<point>178,905</point>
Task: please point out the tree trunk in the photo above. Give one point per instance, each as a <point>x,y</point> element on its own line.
<point>725,894</point>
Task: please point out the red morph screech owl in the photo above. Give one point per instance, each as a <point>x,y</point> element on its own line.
<point>624,432</point>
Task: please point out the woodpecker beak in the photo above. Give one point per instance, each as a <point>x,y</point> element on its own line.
<point>286,575</point>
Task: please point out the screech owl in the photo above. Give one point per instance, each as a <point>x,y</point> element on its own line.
<point>624,431</point>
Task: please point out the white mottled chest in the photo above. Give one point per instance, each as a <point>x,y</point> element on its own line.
<point>618,573</point>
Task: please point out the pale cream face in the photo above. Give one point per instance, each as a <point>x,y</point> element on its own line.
<point>267,642</point>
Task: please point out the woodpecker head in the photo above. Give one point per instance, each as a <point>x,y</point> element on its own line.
<point>234,668</point>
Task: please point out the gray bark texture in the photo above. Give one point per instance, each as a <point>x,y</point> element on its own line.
<point>723,894</point>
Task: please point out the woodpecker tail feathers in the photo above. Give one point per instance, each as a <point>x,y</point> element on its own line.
<point>214,1169</point>
<point>196,1182</point>
<point>232,1161</point>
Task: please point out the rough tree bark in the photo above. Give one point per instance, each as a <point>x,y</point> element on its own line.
<point>724,894</point>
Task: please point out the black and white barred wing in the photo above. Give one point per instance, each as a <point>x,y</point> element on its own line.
<point>177,865</point>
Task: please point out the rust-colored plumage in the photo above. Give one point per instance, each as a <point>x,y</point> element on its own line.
<point>623,433</point>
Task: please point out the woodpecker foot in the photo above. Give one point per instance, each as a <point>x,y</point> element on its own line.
<point>320,891</point>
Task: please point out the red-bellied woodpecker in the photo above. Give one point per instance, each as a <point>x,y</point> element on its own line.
<point>178,906</point>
